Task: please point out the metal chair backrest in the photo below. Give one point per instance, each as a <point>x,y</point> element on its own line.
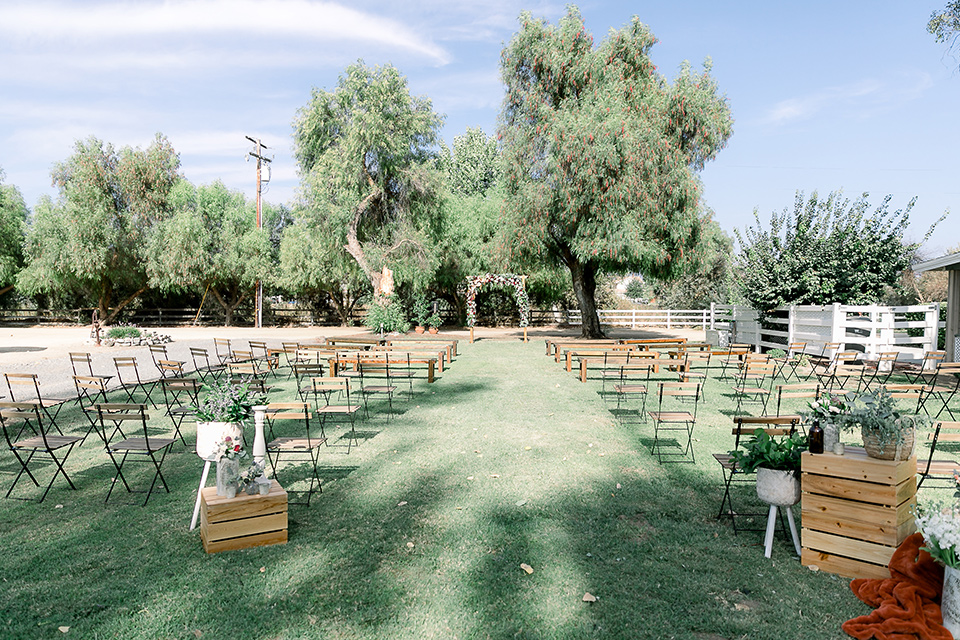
<point>27,413</point>
<point>84,361</point>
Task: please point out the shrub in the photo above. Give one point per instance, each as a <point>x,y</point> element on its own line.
<point>119,333</point>
<point>388,316</point>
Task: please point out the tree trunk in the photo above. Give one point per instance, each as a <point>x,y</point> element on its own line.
<point>353,246</point>
<point>341,304</point>
<point>107,316</point>
<point>228,307</point>
<point>584,275</point>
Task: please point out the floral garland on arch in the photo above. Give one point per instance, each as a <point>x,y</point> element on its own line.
<point>518,282</point>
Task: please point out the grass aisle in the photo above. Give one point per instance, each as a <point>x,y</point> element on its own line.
<point>421,533</point>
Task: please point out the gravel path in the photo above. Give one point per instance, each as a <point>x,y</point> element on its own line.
<point>45,350</point>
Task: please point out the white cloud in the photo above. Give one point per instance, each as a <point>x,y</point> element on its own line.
<point>860,99</point>
<point>143,26</point>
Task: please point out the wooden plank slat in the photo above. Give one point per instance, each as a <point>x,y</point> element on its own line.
<point>841,566</point>
<point>873,523</point>
<point>259,540</point>
<point>874,493</point>
<point>854,464</point>
<point>878,554</point>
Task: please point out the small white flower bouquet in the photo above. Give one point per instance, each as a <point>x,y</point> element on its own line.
<point>940,526</point>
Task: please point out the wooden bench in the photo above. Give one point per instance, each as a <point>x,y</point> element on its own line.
<point>555,345</point>
<point>449,343</point>
<point>356,359</point>
<point>616,359</point>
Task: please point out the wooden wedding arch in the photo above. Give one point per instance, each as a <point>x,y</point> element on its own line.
<point>472,284</point>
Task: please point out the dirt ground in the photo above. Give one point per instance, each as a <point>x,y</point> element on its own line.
<point>45,350</point>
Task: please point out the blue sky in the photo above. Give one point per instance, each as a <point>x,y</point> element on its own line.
<point>851,95</point>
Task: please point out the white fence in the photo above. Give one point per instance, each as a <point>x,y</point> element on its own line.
<point>871,329</point>
<point>669,318</point>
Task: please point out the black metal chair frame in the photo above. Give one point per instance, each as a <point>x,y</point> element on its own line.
<point>304,445</point>
<point>41,445</point>
<point>145,448</point>
<point>729,468</point>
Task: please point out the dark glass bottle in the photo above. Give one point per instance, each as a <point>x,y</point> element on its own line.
<point>815,439</point>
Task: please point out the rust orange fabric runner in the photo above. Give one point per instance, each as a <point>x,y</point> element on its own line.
<point>907,603</point>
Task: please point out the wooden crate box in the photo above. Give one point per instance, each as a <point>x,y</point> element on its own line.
<point>855,511</point>
<point>244,521</point>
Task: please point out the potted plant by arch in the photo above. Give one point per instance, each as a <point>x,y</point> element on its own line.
<point>421,311</point>
<point>777,463</point>
<point>433,321</point>
<point>888,433</point>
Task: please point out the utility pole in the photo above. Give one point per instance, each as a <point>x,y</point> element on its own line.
<point>261,161</point>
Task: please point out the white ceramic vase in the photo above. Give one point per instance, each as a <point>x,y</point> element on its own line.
<point>209,434</point>
<point>950,602</point>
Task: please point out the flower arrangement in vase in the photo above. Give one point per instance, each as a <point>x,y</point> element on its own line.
<point>940,525</point>
<point>228,452</point>
<point>830,410</point>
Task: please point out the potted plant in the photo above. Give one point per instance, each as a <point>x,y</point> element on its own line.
<point>221,413</point>
<point>888,433</point>
<point>433,321</point>
<point>421,311</point>
<point>777,463</point>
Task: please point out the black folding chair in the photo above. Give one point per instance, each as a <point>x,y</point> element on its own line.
<point>303,373</point>
<point>203,365</point>
<point>944,388</point>
<point>221,347</point>
<point>31,450</point>
<point>128,373</point>
<point>942,471</point>
<point>336,405</point>
<point>25,387</point>
<point>91,390</point>
<point>732,475</point>
<point>82,364</point>
<point>304,445</point>
<point>181,395</point>
<point>165,366</point>
<point>142,447</point>
<point>668,420</point>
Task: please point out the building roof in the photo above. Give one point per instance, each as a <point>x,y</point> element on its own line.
<point>949,261</point>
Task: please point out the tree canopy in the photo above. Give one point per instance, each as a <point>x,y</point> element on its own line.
<point>210,243</point>
<point>91,241</point>
<point>13,216</point>
<point>709,275</point>
<point>365,154</point>
<point>945,25</point>
<point>601,153</point>
<point>825,250</point>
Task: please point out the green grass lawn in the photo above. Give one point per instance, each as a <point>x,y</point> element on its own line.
<point>421,532</point>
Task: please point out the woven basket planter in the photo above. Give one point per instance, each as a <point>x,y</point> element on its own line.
<point>892,450</point>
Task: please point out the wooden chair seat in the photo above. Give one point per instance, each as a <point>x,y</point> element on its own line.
<point>630,388</point>
<point>339,408</point>
<point>295,444</point>
<point>379,388</point>
<point>140,444</point>
<point>672,416</point>
<point>53,442</point>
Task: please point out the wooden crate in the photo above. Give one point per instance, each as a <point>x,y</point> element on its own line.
<point>244,521</point>
<point>855,511</point>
